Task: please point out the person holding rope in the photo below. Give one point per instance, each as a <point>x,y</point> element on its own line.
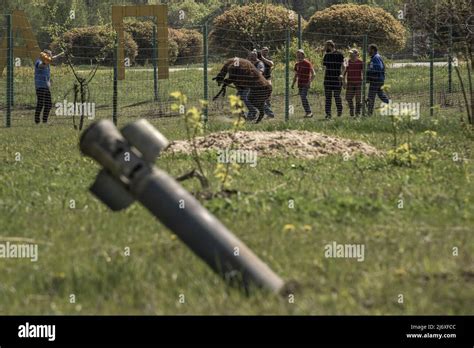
<point>260,65</point>
<point>43,85</point>
<point>268,63</point>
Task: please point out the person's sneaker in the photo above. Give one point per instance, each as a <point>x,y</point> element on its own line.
<point>270,116</point>
<point>327,117</point>
<point>308,115</point>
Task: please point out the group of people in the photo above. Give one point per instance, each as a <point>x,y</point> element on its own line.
<point>264,64</point>
<point>339,74</point>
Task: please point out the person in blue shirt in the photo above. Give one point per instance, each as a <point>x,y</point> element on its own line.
<point>375,78</point>
<point>43,85</point>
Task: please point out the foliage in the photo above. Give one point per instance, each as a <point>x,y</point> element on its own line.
<point>345,24</point>
<point>142,33</point>
<point>442,19</point>
<point>90,43</point>
<point>194,126</point>
<point>243,28</point>
<point>313,54</point>
<point>186,13</point>
<point>225,172</point>
<point>190,44</point>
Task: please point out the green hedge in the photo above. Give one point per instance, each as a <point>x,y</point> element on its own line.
<point>345,24</point>
<point>142,33</point>
<point>243,28</point>
<point>185,45</point>
<point>88,43</point>
<point>190,44</point>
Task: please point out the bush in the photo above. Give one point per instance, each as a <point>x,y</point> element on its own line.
<point>189,43</point>
<point>243,28</point>
<point>185,46</point>
<point>88,43</point>
<point>189,12</point>
<point>314,55</point>
<point>342,23</point>
<point>142,33</point>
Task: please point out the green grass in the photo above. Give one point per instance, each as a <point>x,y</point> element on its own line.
<point>407,251</point>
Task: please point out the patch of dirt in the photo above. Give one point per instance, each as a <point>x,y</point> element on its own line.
<point>290,143</point>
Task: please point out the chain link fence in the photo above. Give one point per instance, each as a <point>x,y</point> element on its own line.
<point>423,74</point>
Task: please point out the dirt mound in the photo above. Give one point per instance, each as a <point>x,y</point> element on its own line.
<point>291,143</point>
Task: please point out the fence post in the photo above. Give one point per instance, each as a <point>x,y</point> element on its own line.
<point>155,77</point>
<point>115,92</point>
<point>287,76</point>
<point>206,87</point>
<point>299,32</point>
<point>364,78</point>
<point>431,76</point>
<point>9,71</point>
<point>450,61</point>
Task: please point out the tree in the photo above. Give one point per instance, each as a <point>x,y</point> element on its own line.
<point>243,28</point>
<point>450,23</point>
<point>346,24</point>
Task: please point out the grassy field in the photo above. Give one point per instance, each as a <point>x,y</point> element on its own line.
<point>408,251</point>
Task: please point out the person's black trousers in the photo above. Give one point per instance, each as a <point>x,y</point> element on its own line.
<point>43,103</point>
<point>333,88</point>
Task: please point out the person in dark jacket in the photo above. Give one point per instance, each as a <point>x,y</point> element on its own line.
<point>333,62</point>
<point>375,78</point>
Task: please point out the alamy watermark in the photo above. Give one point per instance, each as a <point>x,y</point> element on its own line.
<point>401,109</point>
<point>66,108</point>
<point>19,251</point>
<point>237,156</point>
<point>345,251</point>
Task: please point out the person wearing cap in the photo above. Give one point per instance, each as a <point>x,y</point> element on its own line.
<point>253,57</point>
<point>43,85</point>
<point>353,73</point>
<point>304,74</point>
<point>375,78</point>
<point>333,62</point>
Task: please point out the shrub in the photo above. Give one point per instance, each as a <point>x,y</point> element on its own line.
<point>185,46</point>
<point>314,55</point>
<point>142,33</point>
<point>189,43</point>
<point>243,28</point>
<point>88,43</point>
<point>342,23</point>
<point>189,12</point>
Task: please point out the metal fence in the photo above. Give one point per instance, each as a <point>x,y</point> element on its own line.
<point>409,78</point>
